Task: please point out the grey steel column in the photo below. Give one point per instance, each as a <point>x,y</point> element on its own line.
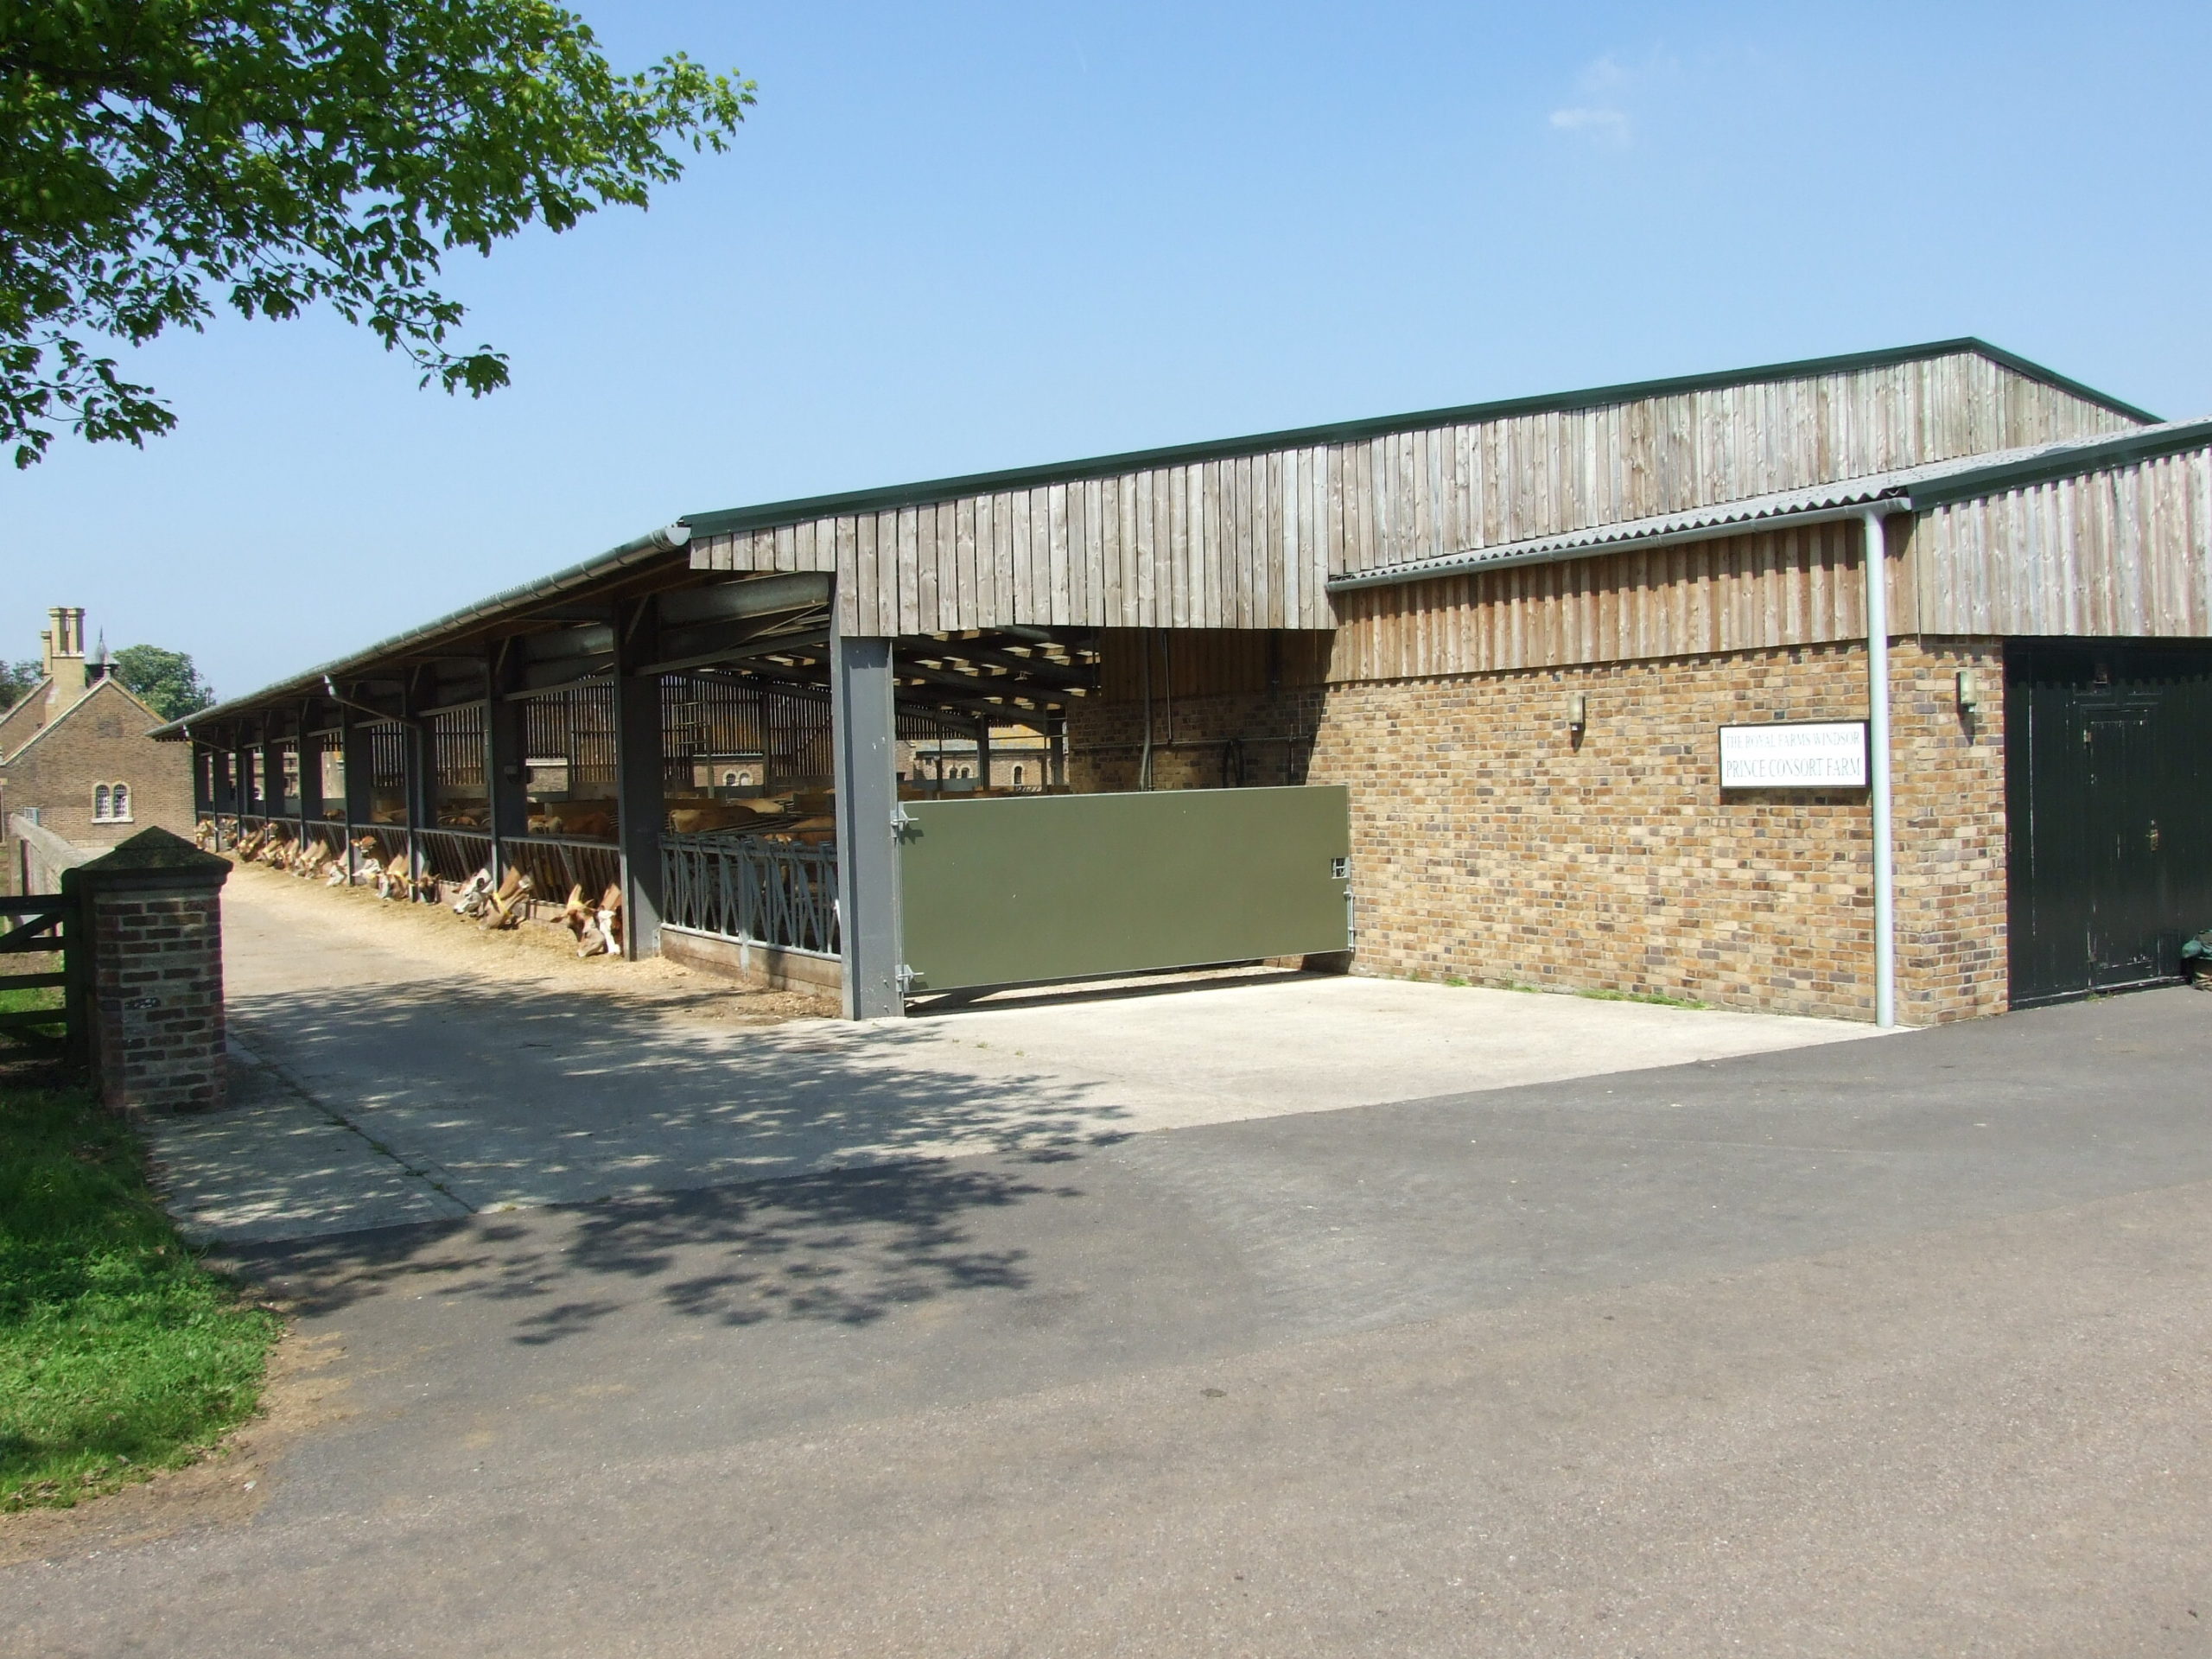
<point>864,732</point>
<point>421,783</point>
<point>309,747</point>
<point>639,807</point>
<point>272,771</point>
<point>242,777</point>
<point>508,816</point>
<point>984,755</point>
<point>356,756</point>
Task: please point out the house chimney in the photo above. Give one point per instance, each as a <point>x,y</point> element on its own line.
<point>64,649</point>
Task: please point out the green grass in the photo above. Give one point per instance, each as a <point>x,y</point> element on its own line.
<point>1655,998</point>
<point>13,1000</point>
<point>120,1353</point>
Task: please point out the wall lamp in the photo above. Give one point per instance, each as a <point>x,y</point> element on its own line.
<point>1969,692</point>
<point>1578,713</point>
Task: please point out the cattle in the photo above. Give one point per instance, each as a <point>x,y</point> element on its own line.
<point>395,880</point>
<point>577,820</point>
<point>598,929</point>
<point>503,907</point>
<point>703,818</point>
<point>475,893</point>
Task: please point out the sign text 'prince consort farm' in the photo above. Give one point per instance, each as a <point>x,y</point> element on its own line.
<point>1780,756</point>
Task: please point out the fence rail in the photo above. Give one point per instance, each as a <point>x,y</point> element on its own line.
<point>555,864</point>
<point>42,925</point>
<point>771,893</point>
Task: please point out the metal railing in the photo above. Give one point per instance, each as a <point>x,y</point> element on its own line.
<point>556,864</point>
<point>454,855</point>
<point>772,893</point>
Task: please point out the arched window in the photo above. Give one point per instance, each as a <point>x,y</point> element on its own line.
<point>121,802</point>
<point>1017,774</point>
<point>729,780</point>
<point>103,803</point>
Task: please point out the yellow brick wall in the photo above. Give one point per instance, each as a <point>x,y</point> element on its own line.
<point>1490,845</point>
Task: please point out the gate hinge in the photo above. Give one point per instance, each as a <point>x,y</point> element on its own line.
<point>907,980</point>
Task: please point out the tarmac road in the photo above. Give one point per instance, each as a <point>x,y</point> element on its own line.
<point>1896,1347</point>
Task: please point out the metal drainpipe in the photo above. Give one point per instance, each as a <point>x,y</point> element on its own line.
<point>1876,559</point>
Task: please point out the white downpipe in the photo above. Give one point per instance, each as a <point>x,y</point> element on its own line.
<point>1876,559</point>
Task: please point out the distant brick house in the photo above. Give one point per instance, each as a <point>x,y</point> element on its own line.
<point>76,758</point>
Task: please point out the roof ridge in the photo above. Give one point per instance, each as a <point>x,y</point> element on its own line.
<point>766,514</point>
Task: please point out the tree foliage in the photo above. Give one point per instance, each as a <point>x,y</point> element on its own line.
<point>161,158</point>
<point>17,679</point>
<point>166,679</point>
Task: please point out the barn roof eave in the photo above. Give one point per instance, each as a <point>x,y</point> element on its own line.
<point>638,551</point>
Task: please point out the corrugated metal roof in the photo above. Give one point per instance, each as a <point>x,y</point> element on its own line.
<point>652,544</point>
<point>1917,488</point>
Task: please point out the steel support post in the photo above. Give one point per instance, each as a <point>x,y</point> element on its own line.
<point>864,731</point>
<point>242,778</point>
<point>357,758</point>
<point>310,754</point>
<point>984,754</point>
<point>639,809</point>
<point>422,784</point>
<point>504,784</point>
<point>272,771</point>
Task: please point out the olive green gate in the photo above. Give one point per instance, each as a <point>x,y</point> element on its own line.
<point>1028,889</point>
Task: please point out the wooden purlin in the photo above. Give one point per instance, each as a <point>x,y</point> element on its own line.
<point>1248,542</point>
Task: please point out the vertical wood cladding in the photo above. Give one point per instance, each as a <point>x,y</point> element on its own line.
<point>1746,593</point>
<point>1247,542</point>
<point>2120,552</point>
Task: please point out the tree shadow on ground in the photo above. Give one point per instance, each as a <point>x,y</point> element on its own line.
<point>847,1248</point>
<point>798,1172</point>
<point>465,1073</point>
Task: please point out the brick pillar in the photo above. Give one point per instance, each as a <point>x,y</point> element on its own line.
<point>152,933</point>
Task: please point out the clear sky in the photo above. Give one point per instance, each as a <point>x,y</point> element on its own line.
<point>961,236</point>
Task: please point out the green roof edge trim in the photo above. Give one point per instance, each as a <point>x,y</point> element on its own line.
<point>770,514</point>
<point>1972,483</point>
<point>638,550</point>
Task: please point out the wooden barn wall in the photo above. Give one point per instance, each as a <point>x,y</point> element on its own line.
<point>1208,662</point>
<point>1747,593</point>
<point>1248,542</point>
<point>2127,552</point>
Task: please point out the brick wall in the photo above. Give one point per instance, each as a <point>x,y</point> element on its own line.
<point>1489,844</point>
<point>102,739</point>
<point>157,995</point>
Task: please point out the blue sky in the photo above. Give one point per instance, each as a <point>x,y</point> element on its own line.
<point>964,236</point>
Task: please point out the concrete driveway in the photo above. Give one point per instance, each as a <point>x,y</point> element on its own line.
<point>384,1081</point>
<point>1896,1347</point>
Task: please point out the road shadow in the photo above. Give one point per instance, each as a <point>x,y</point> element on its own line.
<point>844,1249</point>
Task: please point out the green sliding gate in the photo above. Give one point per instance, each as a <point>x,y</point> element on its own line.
<point>1025,889</point>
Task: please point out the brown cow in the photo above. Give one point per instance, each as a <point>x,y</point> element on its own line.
<point>503,909</point>
<point>598,931</point>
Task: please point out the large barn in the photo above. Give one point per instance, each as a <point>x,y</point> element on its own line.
<point>1876,686</point>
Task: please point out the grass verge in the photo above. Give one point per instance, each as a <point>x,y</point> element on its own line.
<point>1655,998</point>
<point>15,1001</point>
<point>120,1354</point>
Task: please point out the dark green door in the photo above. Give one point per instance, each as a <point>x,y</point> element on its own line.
<point>2109,795</point>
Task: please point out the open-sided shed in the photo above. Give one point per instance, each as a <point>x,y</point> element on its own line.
<point>1465,671</point>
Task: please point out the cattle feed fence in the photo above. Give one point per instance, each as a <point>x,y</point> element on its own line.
<point>747,888</point>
